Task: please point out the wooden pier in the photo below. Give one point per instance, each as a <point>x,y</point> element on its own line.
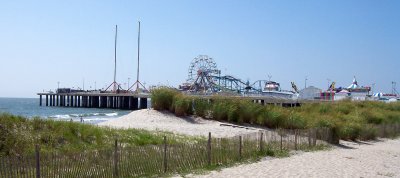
<point>125,101</point>
<point>131,101</point>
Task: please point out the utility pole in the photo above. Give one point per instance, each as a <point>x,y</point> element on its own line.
<point>305,82</point>
<point>329,81</point>
<point>58,86</point>
<point>393,88</point>
<point>373,88</point>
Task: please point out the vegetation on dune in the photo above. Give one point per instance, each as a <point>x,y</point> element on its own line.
<point>19,135</point>
<point>348,120</point>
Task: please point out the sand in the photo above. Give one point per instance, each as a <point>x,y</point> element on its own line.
<point>366,159</point>
<point>369,159</point>
<point>150,119</point>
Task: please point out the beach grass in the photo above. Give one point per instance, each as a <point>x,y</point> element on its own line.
<point>19,135</point>
<point>349,120</point>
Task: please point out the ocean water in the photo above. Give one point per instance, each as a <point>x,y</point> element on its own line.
<point>29,107</point>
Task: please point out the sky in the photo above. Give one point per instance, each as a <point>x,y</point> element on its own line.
<point>72,42</point>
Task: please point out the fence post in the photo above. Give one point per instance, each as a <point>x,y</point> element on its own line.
<point>209,149</point>
<point>315,132</point>
<point>295,139</point>
<point>384,130</point>
<point>37,159</point>
<point>281,133</point>
<point>116,158</point>
<point>240,147</point>
<point>309,137</point>
<point>261,141</point>
<point>165,154</point>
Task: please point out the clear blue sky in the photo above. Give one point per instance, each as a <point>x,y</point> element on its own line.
<point>42,42</point>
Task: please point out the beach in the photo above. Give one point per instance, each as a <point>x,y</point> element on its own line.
<point>366,159</point>
<point>351,159</point>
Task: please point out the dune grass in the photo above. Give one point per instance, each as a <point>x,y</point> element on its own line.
<point>348,119</point>
<point>19,135</point>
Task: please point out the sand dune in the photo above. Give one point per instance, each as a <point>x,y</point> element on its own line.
<point>150,119</point>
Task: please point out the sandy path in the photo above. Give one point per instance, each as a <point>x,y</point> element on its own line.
<point>373,159</point>
<point>150,119</point>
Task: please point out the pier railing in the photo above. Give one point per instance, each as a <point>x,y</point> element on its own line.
<point>167,158</point>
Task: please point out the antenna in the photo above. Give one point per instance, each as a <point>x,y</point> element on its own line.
<point>394,91</point>
<point>115,84</point>
<point>137,83</point>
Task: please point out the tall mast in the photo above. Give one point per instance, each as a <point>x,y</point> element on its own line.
<point>137,83</point>
<point>115,59</point>
<point>138,51</point>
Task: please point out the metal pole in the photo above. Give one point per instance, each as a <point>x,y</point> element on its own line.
<point>115,58</point>
<point>138,54</point>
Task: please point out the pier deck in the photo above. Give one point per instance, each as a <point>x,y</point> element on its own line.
<point>126,101</point>
<point>133,101</point>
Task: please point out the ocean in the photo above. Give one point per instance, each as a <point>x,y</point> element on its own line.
<point>29,107</point>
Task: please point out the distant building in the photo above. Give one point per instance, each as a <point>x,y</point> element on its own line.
<point>353,92</point>
<point>310,93</point>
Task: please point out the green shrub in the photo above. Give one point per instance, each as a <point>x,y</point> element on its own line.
<point>201,107</point>
<point>220,111</point>
<point>368,132</point>
<point>350,131</point>
<point>324,108</point>
<point>249,111</point>
<point>233,112</point>
<point>372,117</point>
<point>271,118</point>
<point>182,105</point>
<point>162,98</point>
<point>295,121</point>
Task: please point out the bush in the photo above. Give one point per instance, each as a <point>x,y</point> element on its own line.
<point>201,107</point>
<point>233,112</point>
<point>220,111</point>
<point>248,112</point>
<point>350,131</point>
<point>295,121</point>
<point>270,118</point>
<point>182,105</point>
<point>372,117</point>
<point>368,132</point>
<point>162,98</point>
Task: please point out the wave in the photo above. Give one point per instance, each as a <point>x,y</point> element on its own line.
<point>71,116</point>
<point>112,114</point>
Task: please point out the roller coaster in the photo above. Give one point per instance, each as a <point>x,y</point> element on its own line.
<point>205,78</point>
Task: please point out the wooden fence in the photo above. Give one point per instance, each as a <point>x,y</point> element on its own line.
<point>164,159</point>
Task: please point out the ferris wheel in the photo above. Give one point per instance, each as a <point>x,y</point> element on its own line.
<point>201,66</point>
